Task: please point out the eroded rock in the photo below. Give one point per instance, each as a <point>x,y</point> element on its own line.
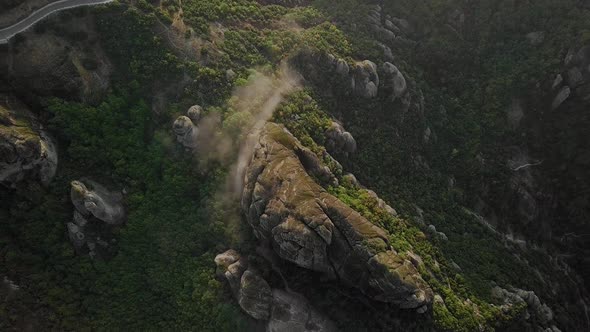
<point>283,310</point>
<point>306,225</point>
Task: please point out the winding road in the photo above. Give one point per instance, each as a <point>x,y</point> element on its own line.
<point>38,15</point>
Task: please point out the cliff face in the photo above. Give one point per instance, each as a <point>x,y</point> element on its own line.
<point>305,225</point>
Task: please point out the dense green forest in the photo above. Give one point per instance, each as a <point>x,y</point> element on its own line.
<point>163,275</point>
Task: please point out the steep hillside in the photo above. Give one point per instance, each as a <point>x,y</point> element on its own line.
<point>308,165</point>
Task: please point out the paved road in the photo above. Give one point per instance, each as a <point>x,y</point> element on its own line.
<point>38,15</point>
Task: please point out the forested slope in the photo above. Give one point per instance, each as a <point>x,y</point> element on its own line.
<point>445,141</point>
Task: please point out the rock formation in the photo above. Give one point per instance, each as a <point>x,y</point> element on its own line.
<point>283,310</point>
<point>185,127</point>
<point>307,226</point>
<point>365,81</point>
<point>96,211</point>
<point>537,313</point>
<point>362,79</point>
<point>98,202</point>
<point>338,140</point>
<point>25,148</point>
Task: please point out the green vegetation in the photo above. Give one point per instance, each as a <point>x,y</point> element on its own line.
<point>163,275</point>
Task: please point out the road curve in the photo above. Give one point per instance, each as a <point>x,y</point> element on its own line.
<point>38,15</point>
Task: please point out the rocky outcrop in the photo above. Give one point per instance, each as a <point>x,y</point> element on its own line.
<point>26,150</point>
<point>338,140</point>
<point>387,29</point>
<point>537,314</point>
<point>97,202</point>
<point>362,79</point>
<point>307,226</point>
<point>282,310</point>
<point>394,84</point>
<point>185,127</point>
<point>365,81</point>
<point>97,211</point>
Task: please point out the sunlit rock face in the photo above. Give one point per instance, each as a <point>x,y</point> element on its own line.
<point>307,226</point>
<point>26,150</point>
<point>281,310</point>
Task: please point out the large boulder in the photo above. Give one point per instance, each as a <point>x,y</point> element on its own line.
<point>307,226</point>
<point>365,80</point>
<point>394,82</point>
<point>338,140</point>
<point>185,127</point>
<point>26,150</point>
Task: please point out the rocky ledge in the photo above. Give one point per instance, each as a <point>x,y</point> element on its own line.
<point>306,225</point>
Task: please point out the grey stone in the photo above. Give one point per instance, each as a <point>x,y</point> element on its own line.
<point>100,203</point>
<point>365,79</point>
<point>186,132</point>
<point>562,96</point>
<point>557,82</point>
<point>574,77</point>
<point>394,81</point>
<point>195,113</point>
